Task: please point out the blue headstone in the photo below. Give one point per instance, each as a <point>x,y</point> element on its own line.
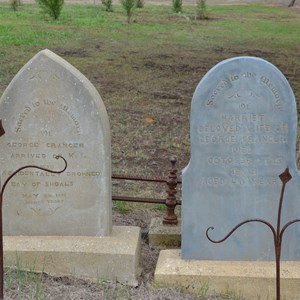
<point>243,135</point>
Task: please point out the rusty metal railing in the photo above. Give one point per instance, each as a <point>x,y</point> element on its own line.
<point>171,202</point>
<point>285,177</point>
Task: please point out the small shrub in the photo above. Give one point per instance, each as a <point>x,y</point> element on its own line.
<point>15,4</point>
<point>177,6</point>
<point>201,10</point>
<point>160,207</point>
<point>204,289</point>
<point>139,3</point>
<point>129,6</point>
<point>121,207</point>
<point>107,5</point>
<point>51,7</point>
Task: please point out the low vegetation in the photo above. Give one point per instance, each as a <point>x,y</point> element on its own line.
<point>129,6</point>
<point>201,13</point>
<point>146,74</point>
<point>51,7</point>
<point>177,6</point>
<point>107,5</point>
<point>15,4</point>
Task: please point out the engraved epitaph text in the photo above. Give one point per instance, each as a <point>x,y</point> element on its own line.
<point>51,109</point>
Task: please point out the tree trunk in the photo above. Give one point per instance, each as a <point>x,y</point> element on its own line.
<point>292,3</point>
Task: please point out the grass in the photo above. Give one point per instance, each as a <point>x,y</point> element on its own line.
<point>229,27</point>
<point>26,284</point>
<point>146,72</point>
<point>121,206</point>
<point>27,27</point>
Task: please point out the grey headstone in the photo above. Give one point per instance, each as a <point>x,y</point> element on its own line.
<point>243,135</point>
<point>50,108</point>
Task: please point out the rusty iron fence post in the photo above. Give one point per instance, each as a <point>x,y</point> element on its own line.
<point>170,217</point>
<point>285,177</point>
<point>1,201</point>
<point>172,181</point>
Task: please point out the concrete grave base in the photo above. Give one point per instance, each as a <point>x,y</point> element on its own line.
<point>115,257</point>
<point>164,235</point>
<point>252,280</point>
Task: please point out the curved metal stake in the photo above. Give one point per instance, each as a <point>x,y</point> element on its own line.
<point>1,201</point>
<point>285,177</point>
<point>2,131</point>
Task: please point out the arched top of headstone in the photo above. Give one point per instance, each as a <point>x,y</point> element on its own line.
<point>243,135</point>
<point>241,88</point>
<point>50,108</point>
<point>227,72</point>
<point>47,73</point>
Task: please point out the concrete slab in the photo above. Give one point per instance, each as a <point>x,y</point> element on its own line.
<point>252,280</point>
<point>114,257</point>
<point>164,235</point>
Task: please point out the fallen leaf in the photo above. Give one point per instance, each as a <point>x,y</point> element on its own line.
<point>149,120</point>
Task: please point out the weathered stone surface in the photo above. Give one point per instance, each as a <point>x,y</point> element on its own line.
<point>50,108</point>
<point>242,279</point>
<point>243,135</point>
<point>114,257</point>
<point>164,235</point>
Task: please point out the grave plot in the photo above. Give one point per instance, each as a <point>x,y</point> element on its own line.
<point>61,223</point>
<point>243,136</point>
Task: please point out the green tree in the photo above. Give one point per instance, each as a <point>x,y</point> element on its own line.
<point>107,4</point>
<point>129,6</point>
<point>292,3</point>
<point>15,4</point>
<point>139,3</point>
<point>51,7</point>
<point>201,10</point>
<point>177,6</point>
